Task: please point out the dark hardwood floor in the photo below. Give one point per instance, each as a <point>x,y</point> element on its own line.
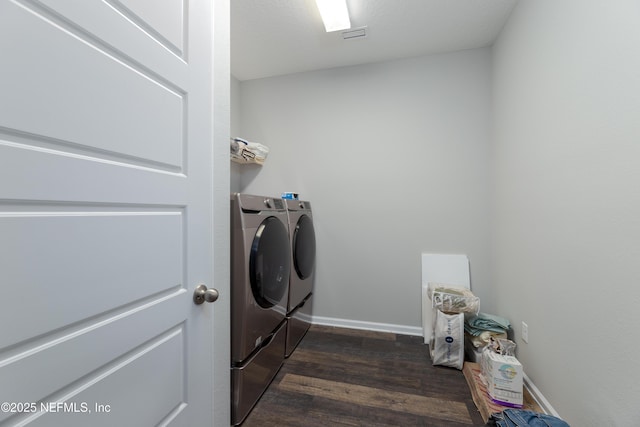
<point>346,377</point>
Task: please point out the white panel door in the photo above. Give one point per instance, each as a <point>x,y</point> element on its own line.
<point>106,128</point>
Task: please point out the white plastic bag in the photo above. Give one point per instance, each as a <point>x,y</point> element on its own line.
<point>243,151</point>
<point>451,299</point>
<point>447,343</point>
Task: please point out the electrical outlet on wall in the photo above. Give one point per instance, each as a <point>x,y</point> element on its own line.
<point>525,332</point>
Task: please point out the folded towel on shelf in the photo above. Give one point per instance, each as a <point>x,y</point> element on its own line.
<point>476,324</point>
<point>243,151</point>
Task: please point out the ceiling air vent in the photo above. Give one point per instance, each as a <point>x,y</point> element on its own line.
<point>355,33</point>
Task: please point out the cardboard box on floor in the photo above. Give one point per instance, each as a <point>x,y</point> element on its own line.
<point>503,375</point>
<point>486,406</point>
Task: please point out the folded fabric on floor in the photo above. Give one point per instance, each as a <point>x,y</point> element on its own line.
<point>478,323</point>
<point>484,338</point>
<point>524,418</point>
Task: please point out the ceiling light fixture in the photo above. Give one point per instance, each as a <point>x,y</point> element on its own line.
<point>334,14</point>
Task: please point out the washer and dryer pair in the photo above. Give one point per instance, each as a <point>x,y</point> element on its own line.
<point>272,265</point>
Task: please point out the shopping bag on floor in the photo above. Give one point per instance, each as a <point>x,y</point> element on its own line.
<point>447,342</point>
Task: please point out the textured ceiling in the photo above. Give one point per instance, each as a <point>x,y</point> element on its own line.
<point>275,37</point>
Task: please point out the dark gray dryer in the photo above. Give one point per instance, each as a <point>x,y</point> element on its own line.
<point>260,269</point>
<point>303,259</point>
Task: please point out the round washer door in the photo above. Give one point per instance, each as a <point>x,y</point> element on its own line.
<point>304,247</point>
<point>269,265</point>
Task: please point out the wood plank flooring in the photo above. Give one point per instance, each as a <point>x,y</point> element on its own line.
<point>346,377</point>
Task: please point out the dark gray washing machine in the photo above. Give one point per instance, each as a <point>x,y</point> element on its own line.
<point>260,269</point>
<point>303,259</point>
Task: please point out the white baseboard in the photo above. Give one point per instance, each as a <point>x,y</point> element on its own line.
<point>367,326</point>
<point>539,398</point>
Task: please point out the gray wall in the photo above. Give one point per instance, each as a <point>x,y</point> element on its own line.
<point>566,151</point>
<point>395,160</point>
